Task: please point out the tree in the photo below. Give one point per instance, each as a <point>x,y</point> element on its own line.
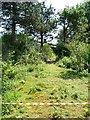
<point>73,22</point>
<point>25,17</point>
<point>9,10</point>
<point>87,8</point>
<point>40,20</point>
<point>63,22</point>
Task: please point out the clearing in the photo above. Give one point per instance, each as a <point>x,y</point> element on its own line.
<point>48,83</point>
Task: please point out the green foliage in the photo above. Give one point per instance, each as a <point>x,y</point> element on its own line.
<point>64,93</point>
<point>8,73</point>
<point>31,52</point>
<point>24,51</point>
<point>74,23</point>
<point>65,62</point>
<point>87,114</point>
<point>41,74</point>
<point>78,59</point>
<point>80,52</point>
<point>34,89</point>
<point>30,69</point>
<point>73,74</point>
<point>62,50</point>
<point>25,55</point>
<point>32,55</point>
<point>47,52</point>
<point>16,49</point>
<point>46,87</point>
<point>6,45</point>
<point>37,19</point>
<point>8,97</point>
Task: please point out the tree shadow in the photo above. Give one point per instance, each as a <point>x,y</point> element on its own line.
<point>73,74</point>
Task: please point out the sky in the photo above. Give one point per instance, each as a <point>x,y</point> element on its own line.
<point>59,4</point>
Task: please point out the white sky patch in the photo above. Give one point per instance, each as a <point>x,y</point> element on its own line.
<point>60,4</point>
<point>1,30</point>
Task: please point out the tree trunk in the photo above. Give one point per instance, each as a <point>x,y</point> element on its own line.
<point>64,32</point>
<point>13,22</point>
<point>41,39</point>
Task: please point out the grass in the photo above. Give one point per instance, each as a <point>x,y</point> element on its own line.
<point>48,83</point>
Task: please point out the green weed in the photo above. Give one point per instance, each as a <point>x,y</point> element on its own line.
<point>34,89</point>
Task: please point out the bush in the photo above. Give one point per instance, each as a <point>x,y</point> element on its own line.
<point>78,59</point>
<point>65,62</point>
<point>25,50</point>
<point>8,97</point>
<point>62,50</point>
<point>8,74</point>
<point>33,53</point>
<point>28,50</point>
<point>47,52</point>
<point>7,45</point>
<point>79,55</point>
<point>31,68</point>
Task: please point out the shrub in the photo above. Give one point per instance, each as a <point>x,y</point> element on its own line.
<point>62,50</point>
<point>30,68</point>
<point>60,64</point>
<point>31,53</point>
<point>7,45</point>
<point>8,73</point>
<point>78,59</point>
<point>47,52</point>
<point>24,50</point>
<point>8,70</point>
<point>79,55</point>
<point>65,62</point>
<point>87,114</point>
<point>8,97</point>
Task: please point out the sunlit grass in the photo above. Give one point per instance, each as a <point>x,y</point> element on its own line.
<point>44,83</point>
